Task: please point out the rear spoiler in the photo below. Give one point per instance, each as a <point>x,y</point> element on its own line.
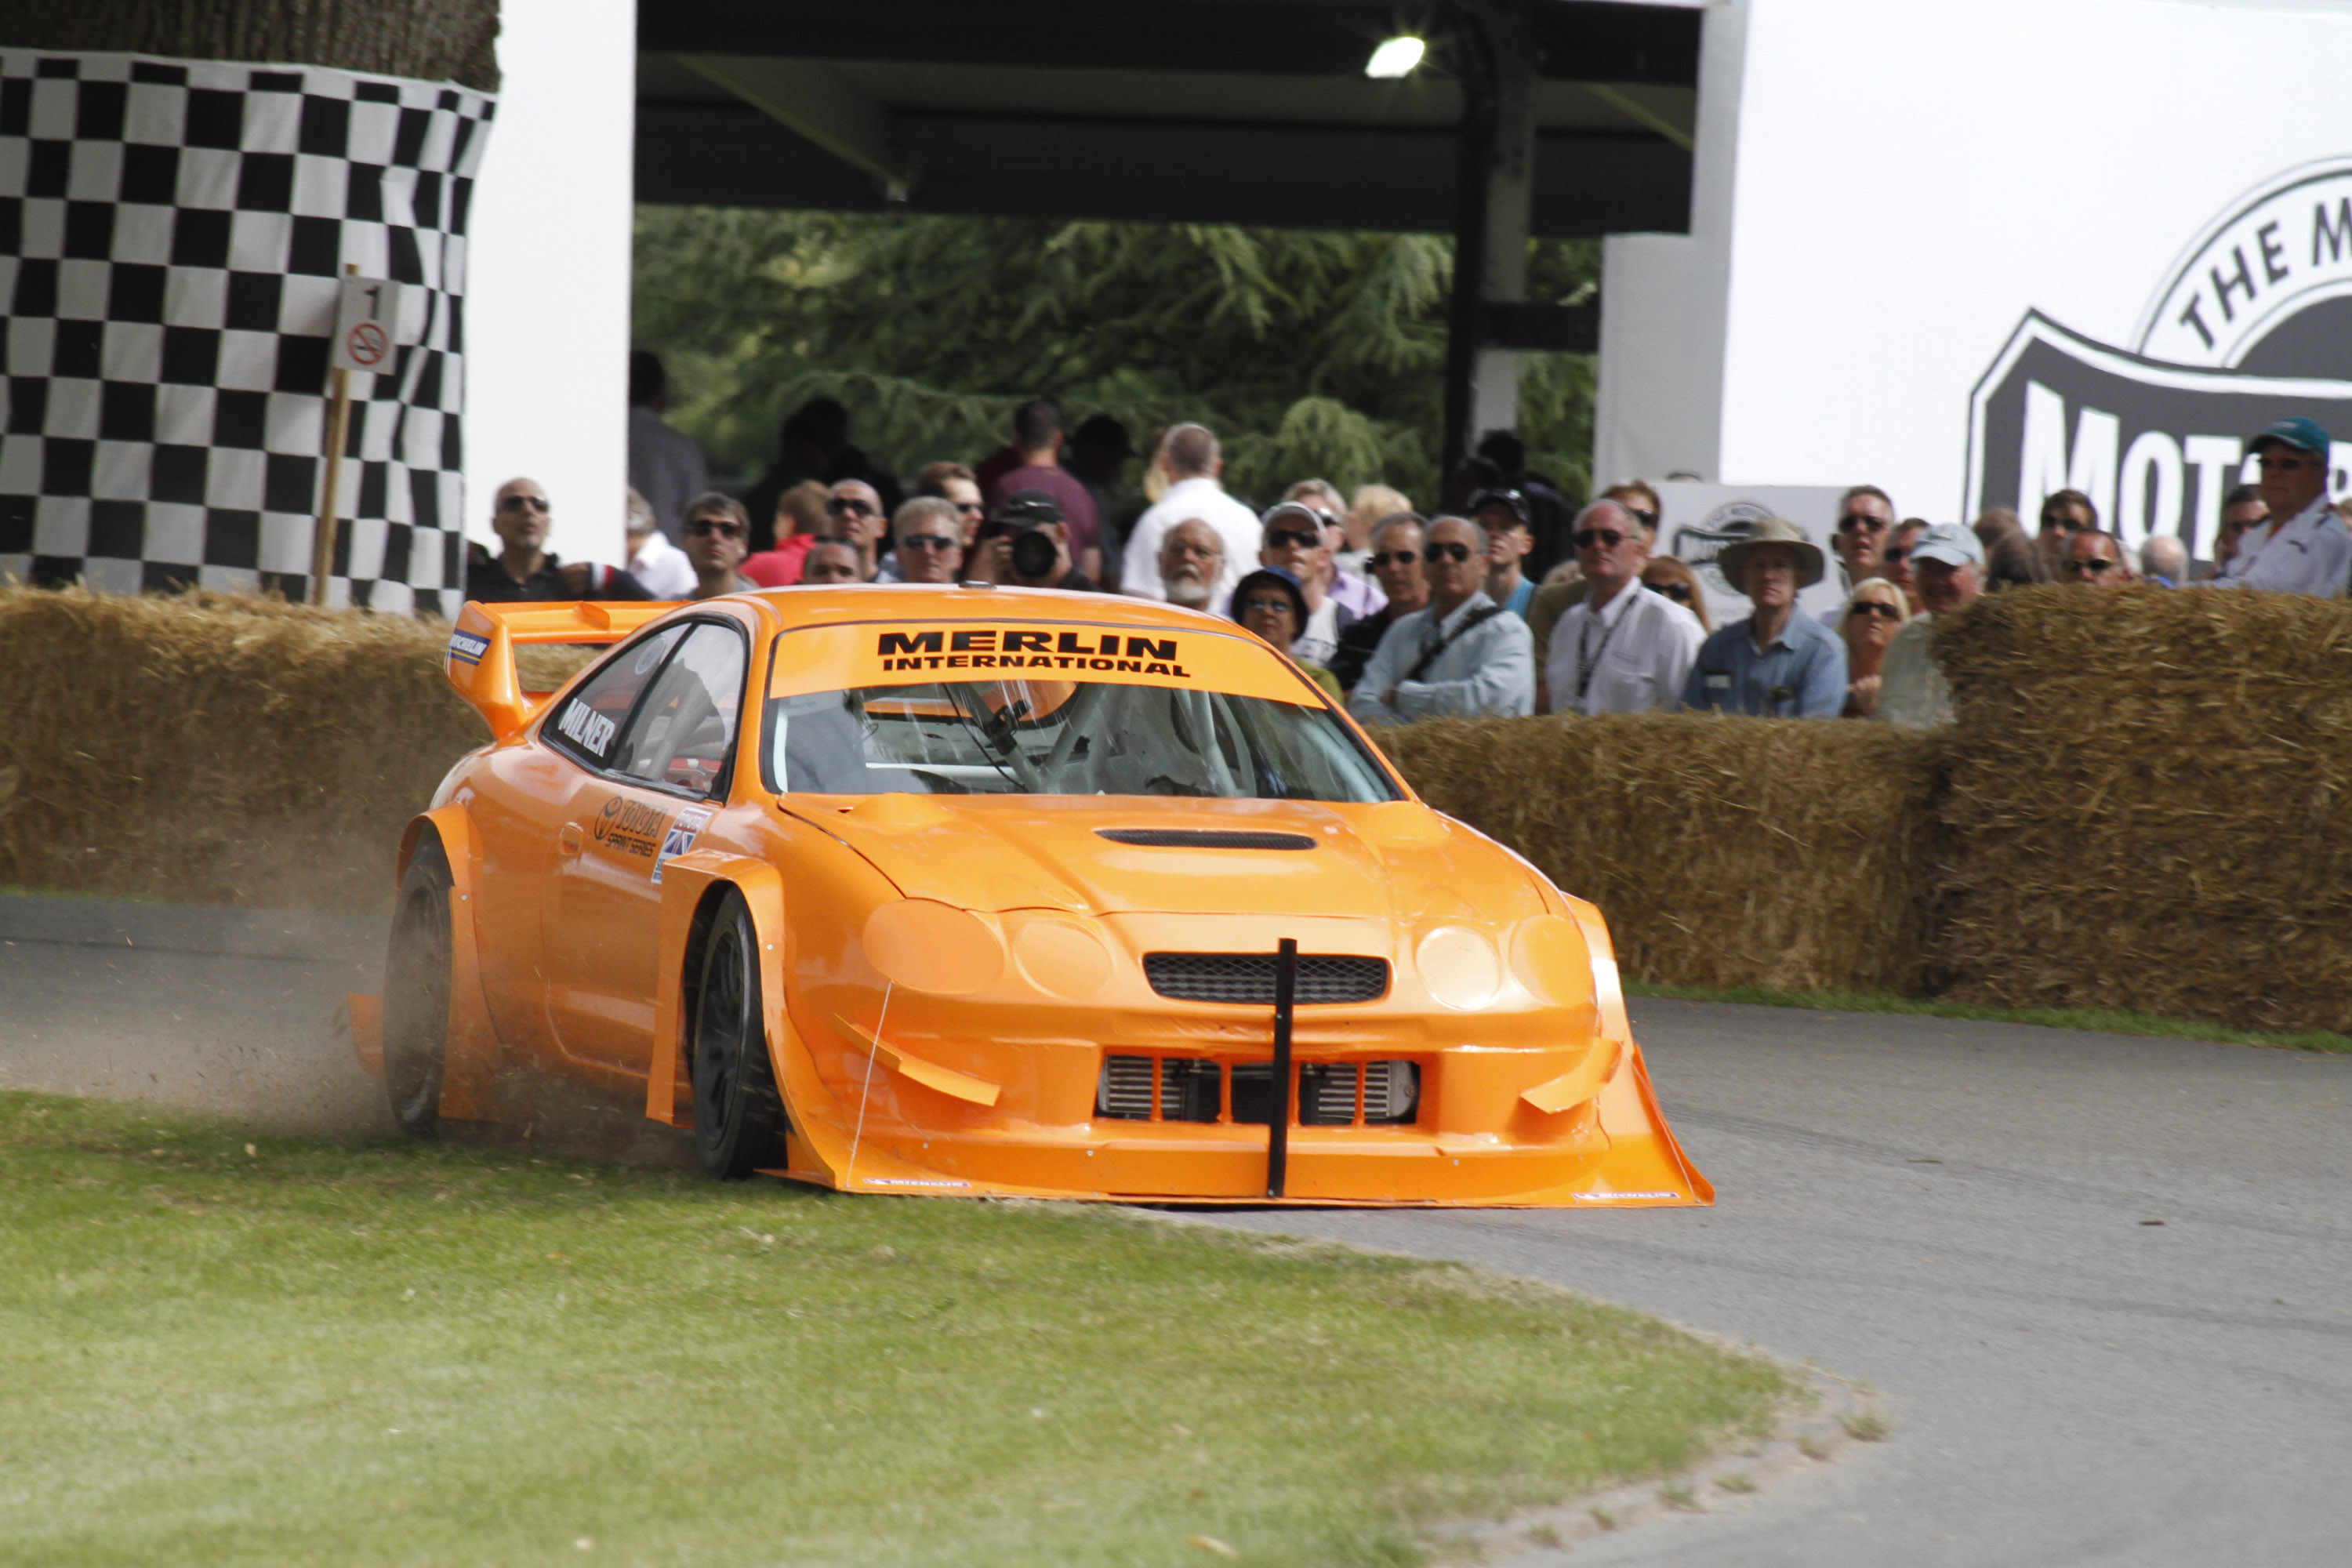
<point>480,660</point>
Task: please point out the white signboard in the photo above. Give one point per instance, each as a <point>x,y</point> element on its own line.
<point>1971,303</point>
<point>1696,521</point>
<point>367,324</point>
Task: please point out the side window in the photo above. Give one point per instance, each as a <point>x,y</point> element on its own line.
<point>588,725</point>
<point>684,731</point>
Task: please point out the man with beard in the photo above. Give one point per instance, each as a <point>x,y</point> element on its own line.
<point>1191,562</point>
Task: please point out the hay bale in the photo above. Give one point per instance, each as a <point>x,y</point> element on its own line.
<point>217,749</point>
<point>1724,851</point>
<point>2149,802</point>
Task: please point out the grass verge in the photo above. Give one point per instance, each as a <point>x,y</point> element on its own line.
<point>224,1347</point>
<point>2104,1019</point>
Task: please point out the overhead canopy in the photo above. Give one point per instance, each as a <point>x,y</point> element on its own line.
<point>1243,111</point>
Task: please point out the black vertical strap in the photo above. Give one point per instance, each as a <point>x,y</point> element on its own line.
<point>1277,1142</point>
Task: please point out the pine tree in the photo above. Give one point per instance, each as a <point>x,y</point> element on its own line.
<point>1308,353</point>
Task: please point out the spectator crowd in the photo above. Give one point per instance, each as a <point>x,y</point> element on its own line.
<point>1502,599</point>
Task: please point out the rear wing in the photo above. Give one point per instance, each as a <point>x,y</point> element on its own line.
<point>480,660</point>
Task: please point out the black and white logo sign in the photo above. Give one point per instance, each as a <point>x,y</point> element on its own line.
<point>2252,323</point>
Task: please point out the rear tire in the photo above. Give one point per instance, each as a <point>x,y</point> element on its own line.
<point>416,992</point>
<point>739,1116</point>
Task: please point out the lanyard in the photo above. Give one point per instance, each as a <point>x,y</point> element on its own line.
<point>1588,659</point>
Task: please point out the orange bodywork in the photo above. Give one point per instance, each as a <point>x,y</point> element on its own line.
<point>956,993</point>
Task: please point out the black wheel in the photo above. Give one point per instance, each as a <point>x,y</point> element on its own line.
<point>416,992</point>
<point>738,1117</point>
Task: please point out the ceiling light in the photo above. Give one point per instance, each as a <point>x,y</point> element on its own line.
<point>1396,58</point>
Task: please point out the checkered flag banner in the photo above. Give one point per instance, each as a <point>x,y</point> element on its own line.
<point>171,234</point>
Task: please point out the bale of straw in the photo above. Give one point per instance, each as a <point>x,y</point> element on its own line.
<point>215,749</point>
<point>2149,803</point>
<point>1724,851</point>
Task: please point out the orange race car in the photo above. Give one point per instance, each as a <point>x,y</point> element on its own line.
<point>969,890</point>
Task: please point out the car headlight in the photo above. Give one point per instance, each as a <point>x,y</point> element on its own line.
<point>1061,956</point>
<point>1548,955</point>
<point>1460,967</point>
<point>926,945</point>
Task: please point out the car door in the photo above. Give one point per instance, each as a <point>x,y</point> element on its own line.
<point>521,802</point>
<point>663,777</point>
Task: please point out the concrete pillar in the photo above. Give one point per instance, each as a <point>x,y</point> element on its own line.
<point>547,290</point>
<point>1510,194</point>
<point>1495,60</point>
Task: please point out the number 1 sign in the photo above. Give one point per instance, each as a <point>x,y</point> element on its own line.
<point>367,324</point>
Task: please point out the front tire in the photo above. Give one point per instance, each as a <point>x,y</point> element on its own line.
<point>416,992</point>
<point>739,1116</point>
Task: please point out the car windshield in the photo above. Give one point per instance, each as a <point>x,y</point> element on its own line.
<point>1063,737</point>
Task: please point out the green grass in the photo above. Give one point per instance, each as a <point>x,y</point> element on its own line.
<point>2101,1018</point>
<point>396,1354</point>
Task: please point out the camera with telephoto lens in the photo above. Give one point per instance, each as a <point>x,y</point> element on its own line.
<point>1025,517</point>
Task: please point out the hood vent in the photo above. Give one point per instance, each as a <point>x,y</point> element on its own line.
<point>1205,838</point>
<point>1248,977</point>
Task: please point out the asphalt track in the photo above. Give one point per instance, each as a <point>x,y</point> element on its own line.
<point>1952,1214</point>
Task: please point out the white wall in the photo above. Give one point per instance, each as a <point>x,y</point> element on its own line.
<point>547,288</point>
<point>1658,407</point>
<point>1908,180</point>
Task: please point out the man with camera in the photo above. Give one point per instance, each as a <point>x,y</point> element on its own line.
<point>1026,544</point>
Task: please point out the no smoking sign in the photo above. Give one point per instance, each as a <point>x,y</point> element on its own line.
<point>367,323</point>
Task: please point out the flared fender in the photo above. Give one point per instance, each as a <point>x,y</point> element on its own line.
<point>1644,1155</point>
<point>476,1060</point>
<point>823,1145</point>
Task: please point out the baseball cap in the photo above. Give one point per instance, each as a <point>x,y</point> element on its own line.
<point>2298,431</point>
<point>1511,500</point>
<point>1950,543</point>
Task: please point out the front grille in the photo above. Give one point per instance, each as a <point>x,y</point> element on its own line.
<point>1248,977</point>
<point>1205,838</point>
<point>1193,1089</point>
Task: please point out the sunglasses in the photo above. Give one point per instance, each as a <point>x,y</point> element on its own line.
<point>1646,518</point>
<point>1394,557</point>
<point>928,542</point>
<point>2066,520</point>
<point>971,507</point>
<point>1897,556</point>
<point>1255,605</point>
<point>2287,464</point>
<point>1284,538</point>
<point>521,503</point>
<point>1607,538</point>
<point>724,527</point>
<point>1678,592</point>
<point>1855,520</point>
<point>1450,551</point>
<point>1872,608</point>
<point>848,506</point>
<point>2089,568</point>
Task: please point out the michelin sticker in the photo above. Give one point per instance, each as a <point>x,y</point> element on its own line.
<point>468,648</point>
<point>681,836</point>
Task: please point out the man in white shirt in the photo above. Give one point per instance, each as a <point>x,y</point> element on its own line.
<point>1621,649</point>
<point>653,561</point>
<point>664,465</point>
<point>1193,496</point>
<point>2311,551</point>
<point>1949,563</point>
<point>1464,656</point>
